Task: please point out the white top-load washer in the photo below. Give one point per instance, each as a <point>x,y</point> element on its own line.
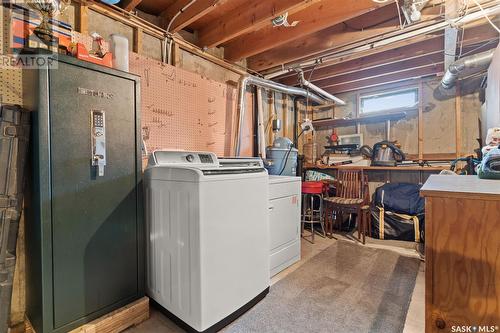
<point>208,245</point>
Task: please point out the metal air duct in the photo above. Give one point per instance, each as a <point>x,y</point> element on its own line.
<point>248,80</point>
<point>477,61</point>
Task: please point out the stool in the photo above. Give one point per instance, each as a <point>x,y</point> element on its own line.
<point>311,190</point>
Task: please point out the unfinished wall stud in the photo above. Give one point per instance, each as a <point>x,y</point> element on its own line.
<point>138,38</point>
<point>82,18</point>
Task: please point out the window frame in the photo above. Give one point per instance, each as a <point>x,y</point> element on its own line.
<point>388,92</point>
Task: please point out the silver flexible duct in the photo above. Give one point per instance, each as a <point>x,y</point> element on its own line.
<point>479,61</point>
<point>248,80</point>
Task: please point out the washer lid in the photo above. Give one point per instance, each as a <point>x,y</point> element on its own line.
<point>207,163</point>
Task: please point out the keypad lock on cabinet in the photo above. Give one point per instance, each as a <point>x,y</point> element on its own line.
<point>98,135</point>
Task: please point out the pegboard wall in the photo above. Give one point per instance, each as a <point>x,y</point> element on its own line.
<point>183,110</point>
<point>10,79</point>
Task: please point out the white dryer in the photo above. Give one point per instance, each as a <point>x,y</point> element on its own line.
<point>284,221</point>
<point>208,245</point>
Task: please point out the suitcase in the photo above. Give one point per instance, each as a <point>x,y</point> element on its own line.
<point>391,225</point>
<point>400,198</point>
<point>14,137</point>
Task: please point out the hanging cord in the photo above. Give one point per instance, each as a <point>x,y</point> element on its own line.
<point>486,16</point>
<point>285,159</point>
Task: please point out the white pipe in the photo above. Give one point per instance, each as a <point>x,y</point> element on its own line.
<point>260,126</point>
<point>167,53</point>
<point>318,90</point>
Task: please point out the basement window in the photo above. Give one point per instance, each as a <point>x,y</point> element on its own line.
<point>390,101</point>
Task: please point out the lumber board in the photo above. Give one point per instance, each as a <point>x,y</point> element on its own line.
<point>255,15</point>
<point>197,10</point>
<point>312,19</point>
<point>114,322</point>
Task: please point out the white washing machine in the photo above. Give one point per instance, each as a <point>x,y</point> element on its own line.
<point>284,221</point>
<point>207,223</point>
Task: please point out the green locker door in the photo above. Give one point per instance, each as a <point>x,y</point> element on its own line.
<point>94,219</point>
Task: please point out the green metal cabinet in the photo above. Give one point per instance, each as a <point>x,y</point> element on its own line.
<point>84,230</point>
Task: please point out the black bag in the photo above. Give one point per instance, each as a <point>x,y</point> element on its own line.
<point>390,225</point>
<point>14,136</point>
<point>400,198</point>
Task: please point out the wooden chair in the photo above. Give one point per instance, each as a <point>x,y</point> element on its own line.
<point>352,197</point>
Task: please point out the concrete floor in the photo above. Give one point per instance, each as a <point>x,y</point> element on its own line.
<point>414,320</point>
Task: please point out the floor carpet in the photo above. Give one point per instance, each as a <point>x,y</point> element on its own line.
<point>346,288</point>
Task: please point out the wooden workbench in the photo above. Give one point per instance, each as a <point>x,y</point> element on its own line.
<point>462,266</point>
<point>377,168</point>
<point>383,174</point>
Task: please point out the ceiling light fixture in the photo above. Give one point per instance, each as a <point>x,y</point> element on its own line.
<point>282,20</point>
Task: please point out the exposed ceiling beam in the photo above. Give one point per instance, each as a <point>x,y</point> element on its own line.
<point>130,5</point>
<point>399,76</point>
<point>423,48</point>
<point>385,73</point>
<point>381,71</point>
<point>190,15</point>
<point>255,15</point>
<point>473,34</point>
<point>319,16</point>
<point>336,36</point>
<point>382,21</point>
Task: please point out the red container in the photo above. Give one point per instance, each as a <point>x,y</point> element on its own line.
<point>312,187</point>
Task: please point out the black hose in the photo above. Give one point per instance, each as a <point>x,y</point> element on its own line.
<point>285,160</point>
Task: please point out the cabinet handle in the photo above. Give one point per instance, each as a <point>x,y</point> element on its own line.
<point>440,323</point>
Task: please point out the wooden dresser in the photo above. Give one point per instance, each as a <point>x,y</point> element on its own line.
<point>462,271</point>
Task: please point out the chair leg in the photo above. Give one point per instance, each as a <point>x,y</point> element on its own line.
<point>321,219</point>
<point>326,217</point>
<point>338,219</point>
<point>359,218</point>
<point>363,222</point>
<point>369,220</point>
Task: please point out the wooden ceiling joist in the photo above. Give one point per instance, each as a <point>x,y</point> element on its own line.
<point>321,41</point>
<point>408,49</point>
<point>198,9</point>
<point>378,22</point>
<point>255,15</point>
<point>314,18</point>
<point>397,54</point>
<point>130,5</point>
<point>421,62</point>
<point>400,76</point>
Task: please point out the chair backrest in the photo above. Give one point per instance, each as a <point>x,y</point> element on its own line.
<point>351,184</point>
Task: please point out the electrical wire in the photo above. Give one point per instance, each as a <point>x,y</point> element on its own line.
<point>480,47</point>
<point>486,16</point>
